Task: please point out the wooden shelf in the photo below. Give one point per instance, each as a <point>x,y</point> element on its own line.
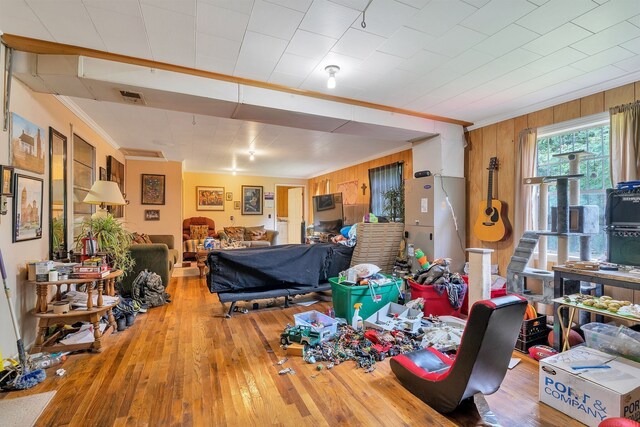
<point>73,313</point>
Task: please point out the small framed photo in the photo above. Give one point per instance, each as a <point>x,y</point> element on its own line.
<point>252,199</point>
<point>6,181</point>
<point>209,198</point>
<point>229,196</point>
<point>236,205</point>
<point>153,189</point>
<point>152,214</point>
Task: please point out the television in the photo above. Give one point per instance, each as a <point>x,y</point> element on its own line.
<point>328,213</point>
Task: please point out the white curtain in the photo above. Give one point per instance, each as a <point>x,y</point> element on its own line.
<point>624,146</point>
<point>525,210</point>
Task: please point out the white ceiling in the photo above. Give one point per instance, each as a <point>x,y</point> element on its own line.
<point>472,60</point>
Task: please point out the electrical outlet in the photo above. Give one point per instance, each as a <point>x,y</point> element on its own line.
<point>269,216</point>
<point>231,218</point>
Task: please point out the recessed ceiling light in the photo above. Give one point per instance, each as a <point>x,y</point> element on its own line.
<point>252,157</point>
<point>233,172</point>
<point>332,70</point>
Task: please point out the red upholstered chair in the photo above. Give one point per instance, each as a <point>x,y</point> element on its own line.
<point>481,362</point>
<point>186,232</point>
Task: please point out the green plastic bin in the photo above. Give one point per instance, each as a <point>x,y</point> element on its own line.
<point>345,296</point>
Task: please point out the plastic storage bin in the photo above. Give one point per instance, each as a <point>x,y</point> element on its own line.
<point>434,304</point>
<point>618,340</point>
<point>308,318</point>
<point>345,296</point>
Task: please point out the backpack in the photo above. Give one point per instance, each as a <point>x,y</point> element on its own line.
<point>148,289</point>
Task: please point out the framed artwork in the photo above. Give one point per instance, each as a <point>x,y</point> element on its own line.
<point>6,181</point>
<point>229,196</point>
<point>252,200</point>
<point>152,214</point>
<point>324,202</point>
<point>27,147</point>
<point>236,205</point>
<point>210,198</point>
<point>115,173</point>
<point>103,174</point>
<point>153,189</point>
<point>27,208</point>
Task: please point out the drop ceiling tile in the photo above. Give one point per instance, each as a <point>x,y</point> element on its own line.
<point>217,47</point>
<point>56,17</point>
<point>455,41</point>
<point>384,17</point>
<point>299,5</point>
<point>187,7</point>
<point>242,6</point>
<point>608,14</point>
<point>562,36</point>
<point>259,55</point>
<point>540,2</point>
<point>405,42</point>
<point>274,20</point>
<point>296,65</point>
<point>601,59</point>
<point>631,64</point>
<point>610,37</point>
<point>496,15</point>
<point>599,75</point>
<point>635,20</point>
<point>220,22</point>
<point>18,18</point>
<point>557,59</point>
<point>380,63</point>
<point>328,19</point>
<point>310,45</point>
<point>440,16</point>
<point>358,5</point>
<point>358,44</point>
<point>173,44</point>
<point>418,4</point>
<point>126,7</point>
<point>554,14</point>
<point>286,79</point>
<point>477,3</point>
<point>124,34</point>
<point>423,62</point>
<point>506,40</point>
<point>633,45</point>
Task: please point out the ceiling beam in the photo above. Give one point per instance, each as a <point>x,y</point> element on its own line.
<point>27,44</point>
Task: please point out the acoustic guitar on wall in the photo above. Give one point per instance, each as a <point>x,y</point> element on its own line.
<point>492,224</point>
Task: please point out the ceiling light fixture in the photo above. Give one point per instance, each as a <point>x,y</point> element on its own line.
<point>332,70</point>
<point>233,172</point>
<point>252,157</point>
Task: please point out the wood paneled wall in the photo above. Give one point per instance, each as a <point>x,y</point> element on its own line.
<point>500,140</point>
<point>360,173</point>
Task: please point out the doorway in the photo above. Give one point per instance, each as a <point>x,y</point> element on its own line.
<point>290,213</point>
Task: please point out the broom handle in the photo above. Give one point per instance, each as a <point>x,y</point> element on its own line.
<point>7,291</point>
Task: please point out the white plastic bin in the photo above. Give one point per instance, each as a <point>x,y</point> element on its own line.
<point>309,318</point>
<point>618,340</point>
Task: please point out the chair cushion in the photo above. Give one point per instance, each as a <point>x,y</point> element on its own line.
<point>199,231</point>
<point>427,363</point>
<point>235,233</point>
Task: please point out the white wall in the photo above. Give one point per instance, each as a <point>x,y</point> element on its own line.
<point>443,154</point>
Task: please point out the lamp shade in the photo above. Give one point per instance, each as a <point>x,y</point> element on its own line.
<point>105,192</point>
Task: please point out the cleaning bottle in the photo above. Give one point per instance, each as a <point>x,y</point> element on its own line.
<point>49,360</point>
<point>357,322</point>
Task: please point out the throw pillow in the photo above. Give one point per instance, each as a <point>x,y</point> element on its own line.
<point>199,231</point>
<point>144,238</point>
<point>248,231</point>
<point>136,239</point>
<point>234,233</point>
<point>257,234</point>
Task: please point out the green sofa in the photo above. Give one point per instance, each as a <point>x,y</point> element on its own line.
<point>159,257</point>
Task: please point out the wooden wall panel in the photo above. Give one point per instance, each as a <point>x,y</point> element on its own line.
<point>592,104</point>
<point>489,149</point>
<point>474,185</point>
<point>506,182</point>
<point>541,118</point>
<point>620,95</point>
<point>360,173</point>
<point>567,111</point>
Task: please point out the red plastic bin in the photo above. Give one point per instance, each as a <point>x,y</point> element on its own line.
<point>495,293</point>
<point>434,304</point>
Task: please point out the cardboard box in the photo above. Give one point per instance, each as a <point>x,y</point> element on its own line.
<point>590,395</point>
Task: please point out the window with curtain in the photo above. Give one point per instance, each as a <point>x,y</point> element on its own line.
<point>381,180</point>
<point>593,138</point>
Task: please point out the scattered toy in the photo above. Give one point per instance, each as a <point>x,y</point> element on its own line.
<point>60,372</point>
<point>282,361</point>
<point>287,371</point>
<point>319,367</point>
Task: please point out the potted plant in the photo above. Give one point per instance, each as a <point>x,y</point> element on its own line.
<point>111,238</point>
<point>393,206</point>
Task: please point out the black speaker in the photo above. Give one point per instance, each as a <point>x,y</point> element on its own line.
<point>624,246</point>
<point>421,174</point>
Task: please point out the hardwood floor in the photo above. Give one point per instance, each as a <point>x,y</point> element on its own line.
<point>185,364</point>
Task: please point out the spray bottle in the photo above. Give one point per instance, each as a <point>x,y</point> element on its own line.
<point>357,322</point>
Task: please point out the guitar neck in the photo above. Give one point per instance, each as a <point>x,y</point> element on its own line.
<point>490,189</point>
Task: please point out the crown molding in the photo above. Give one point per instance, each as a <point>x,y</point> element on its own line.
<point>75,109</point>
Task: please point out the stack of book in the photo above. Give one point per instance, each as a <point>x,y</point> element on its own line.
<point>92,268</point>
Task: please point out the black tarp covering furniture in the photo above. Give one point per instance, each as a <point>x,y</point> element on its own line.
<point>274,271</point>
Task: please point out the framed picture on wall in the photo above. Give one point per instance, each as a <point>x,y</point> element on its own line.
<point>115,173</point>
<point>229,196</point>
<point>6,181</point>
<point>252,199</point>
<point>27,145</point>
<point>236,205</point>
<point>153,189</point>
<point>103,174</point>
<point>27,208</point>
<point>152,214</point>
<point>210,198</point>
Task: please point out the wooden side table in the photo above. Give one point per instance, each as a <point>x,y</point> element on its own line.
<point>91,314</point>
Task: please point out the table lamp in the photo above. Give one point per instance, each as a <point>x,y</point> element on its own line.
<point>104,193</point>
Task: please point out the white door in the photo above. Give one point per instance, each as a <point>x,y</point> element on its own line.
<point>295,215</point>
